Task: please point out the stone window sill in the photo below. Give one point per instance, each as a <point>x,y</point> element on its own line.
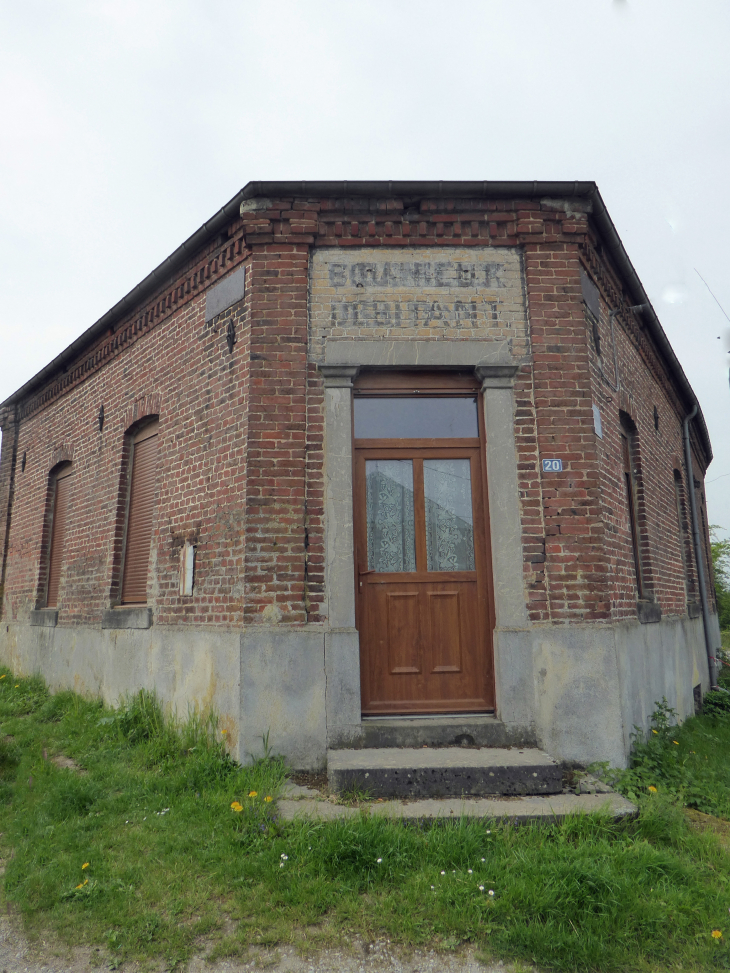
<point>44,617</point>
<point>127,618</point>
<point>648,612</point>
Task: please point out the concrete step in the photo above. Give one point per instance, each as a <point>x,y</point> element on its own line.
<point>409,772</point>
<point>439,731</point>
<point>517,810</point>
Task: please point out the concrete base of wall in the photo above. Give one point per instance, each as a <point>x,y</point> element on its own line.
<point>576,690</point>
<point>585,687</point>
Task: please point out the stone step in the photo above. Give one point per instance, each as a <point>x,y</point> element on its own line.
<point>517,810</point>
<point>439,731</point>
<point>409,772</point>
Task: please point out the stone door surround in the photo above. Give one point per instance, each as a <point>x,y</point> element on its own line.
<point>496,369</point>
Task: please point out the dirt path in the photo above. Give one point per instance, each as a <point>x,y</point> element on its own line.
<point>18,955</point>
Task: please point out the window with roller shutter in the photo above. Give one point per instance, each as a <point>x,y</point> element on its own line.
<point>61,494</point>
<point>140,516</point>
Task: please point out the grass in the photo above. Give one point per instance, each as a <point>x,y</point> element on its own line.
<point>173,865</point>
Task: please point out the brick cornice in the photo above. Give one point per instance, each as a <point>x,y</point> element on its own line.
<point>204,271</point>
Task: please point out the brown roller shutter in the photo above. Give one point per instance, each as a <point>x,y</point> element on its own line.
<point>60,516</point>
<point>139,521</point>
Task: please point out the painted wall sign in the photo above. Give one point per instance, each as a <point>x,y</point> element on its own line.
<point>457,292</point>
<point>552,466</point>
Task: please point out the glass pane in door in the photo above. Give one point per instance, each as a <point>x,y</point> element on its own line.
<point>390,520</point>
<point>449,518</point>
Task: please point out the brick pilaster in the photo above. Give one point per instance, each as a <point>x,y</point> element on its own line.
<point>576,573</point>
<point>275,519</point>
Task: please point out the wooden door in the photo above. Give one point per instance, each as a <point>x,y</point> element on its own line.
<point>422,572</point>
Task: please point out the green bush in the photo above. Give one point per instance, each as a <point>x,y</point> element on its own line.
<point>716,703</point>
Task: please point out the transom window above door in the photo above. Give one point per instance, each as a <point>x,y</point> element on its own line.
<point>416,417</point>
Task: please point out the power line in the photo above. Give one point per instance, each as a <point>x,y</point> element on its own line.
<point>710,290</point>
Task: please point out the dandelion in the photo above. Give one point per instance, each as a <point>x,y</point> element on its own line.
<point>443,873</point>
<point>491,892</point>
<point>433,887</point>
<point>470,871</point>
<point>489,832</point>
<point>223,732</point>
<point>237,807</point>
<point>3,677</point>
<point>285,858</point>
<point>716,934</point>
<point>378,861</point>
<point>85,865</point>
<point>253,793</point>
<point>484,859</point>
<point>80,885</point>
<point>652,789</point>
<point>268,798</point>
<point>481,888</point>
<point>17,685</point>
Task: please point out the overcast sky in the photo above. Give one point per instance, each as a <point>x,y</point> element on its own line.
<point>125,124</point>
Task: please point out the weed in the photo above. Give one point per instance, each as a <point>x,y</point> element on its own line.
<point>354,795</point>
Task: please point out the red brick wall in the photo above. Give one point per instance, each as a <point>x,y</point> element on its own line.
<point>643,386</point>
<point>199,390</point>
<point>241,434</point>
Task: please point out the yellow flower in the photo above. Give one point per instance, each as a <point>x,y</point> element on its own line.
<point>716,934</point>
<point>86,881</point>
<point>253,793</point>
<point>85,865</point>
<point>17,685</point>
<point>675,743</point>
<point>655,731</point>
<point>3,677</point>
<point>268,798</point>
<point>236,806</point>
<point>82,885</point>
<point>652,788</point>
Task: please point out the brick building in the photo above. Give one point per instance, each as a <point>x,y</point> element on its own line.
<point>362,452</point>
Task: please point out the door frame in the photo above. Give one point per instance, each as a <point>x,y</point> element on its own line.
<point>432,384</point>
<point>496,370</point>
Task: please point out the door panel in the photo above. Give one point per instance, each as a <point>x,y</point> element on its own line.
<point>422,585</point>
<point>403,632</point>
<point>444,615</point>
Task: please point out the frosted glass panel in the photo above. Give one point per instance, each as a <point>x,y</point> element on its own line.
<point>390,521</point>
<point>416,417</point>
<point>449,519</point>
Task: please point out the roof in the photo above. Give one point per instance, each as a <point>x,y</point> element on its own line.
<point>430,189</point>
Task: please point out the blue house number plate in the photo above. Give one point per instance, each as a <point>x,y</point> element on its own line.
<point>552,466</point>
